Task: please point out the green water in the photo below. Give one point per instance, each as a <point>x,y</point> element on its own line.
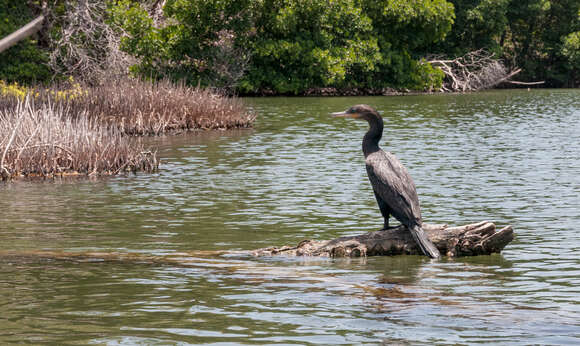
<point>512,157</point>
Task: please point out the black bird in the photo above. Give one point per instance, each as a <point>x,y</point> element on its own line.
<point>393,186</point>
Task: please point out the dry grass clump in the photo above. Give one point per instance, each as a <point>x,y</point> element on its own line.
<point>46,141</point>
<point>78,129</point>
<point>138,107</point>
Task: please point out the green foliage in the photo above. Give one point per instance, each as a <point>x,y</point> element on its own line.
<point>24,62</point>
<point>478,24</point>
<point>307,44</point>
<point>412,24</point>
<point>571,49</point>
<point>426,77</point>
<point>294,45</point>
<point>187,45</point>
<point>291,46</point>
<point>538,33</point>
<point>207,35</point>
<point>143,40</point>
<point>406,30</point>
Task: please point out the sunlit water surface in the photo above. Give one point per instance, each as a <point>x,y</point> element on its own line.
<point>512,157</point>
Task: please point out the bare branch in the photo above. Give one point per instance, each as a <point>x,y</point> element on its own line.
<point>88,47</point>
<point>525,83</point>
<point>474,71</point>
<point>231,61</point>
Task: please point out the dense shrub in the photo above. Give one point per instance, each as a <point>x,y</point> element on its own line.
<point>291,46</point>
<point>285,46</point>
<point>199,42</point>
<point>308,44</point>
<point>571,49</point>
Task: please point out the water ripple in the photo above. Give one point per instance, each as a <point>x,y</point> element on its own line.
<point>509,156</point>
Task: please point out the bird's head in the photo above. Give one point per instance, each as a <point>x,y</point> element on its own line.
<point>364,112</point>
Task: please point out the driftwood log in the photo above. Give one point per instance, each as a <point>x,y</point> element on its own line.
<point>469,240</point>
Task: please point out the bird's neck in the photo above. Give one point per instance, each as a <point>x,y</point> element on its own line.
<point>373,136</point>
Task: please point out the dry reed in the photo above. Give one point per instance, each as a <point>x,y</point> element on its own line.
<point>142,108</point>
<point>137,107</point>
<point>47,141</point>
<point>78,129</point>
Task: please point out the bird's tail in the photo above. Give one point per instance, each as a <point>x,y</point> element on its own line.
<point>423,242</point>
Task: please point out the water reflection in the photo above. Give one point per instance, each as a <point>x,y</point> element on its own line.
<point>511,157</point>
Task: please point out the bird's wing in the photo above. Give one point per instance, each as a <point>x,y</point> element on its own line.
<point>392,182</point>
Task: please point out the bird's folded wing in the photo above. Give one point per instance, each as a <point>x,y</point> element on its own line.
<point>392,182</point>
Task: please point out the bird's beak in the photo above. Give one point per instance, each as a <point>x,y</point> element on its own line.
<point>344,115</point>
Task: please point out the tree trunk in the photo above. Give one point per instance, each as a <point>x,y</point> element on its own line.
<point>22,33</point>
<point>469,240</point>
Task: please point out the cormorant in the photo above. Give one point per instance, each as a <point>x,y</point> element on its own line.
<point>393,187</point>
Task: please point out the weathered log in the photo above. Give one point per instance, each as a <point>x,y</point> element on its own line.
<point>469,240</point>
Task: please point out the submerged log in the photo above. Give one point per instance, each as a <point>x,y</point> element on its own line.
<point>469,240</point>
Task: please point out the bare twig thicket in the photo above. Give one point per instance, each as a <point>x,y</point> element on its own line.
<point>87,45</point>
<point>230,62</point>
<point>137,107</point>
<point>474,71</point>
<point>45,141</point>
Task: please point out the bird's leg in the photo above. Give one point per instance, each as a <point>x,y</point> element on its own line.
<point>386,224</point>
<point>385,210</point>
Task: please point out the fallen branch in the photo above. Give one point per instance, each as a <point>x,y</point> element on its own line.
<point>506,78</point>
<point>469,240</point>
<point>473,71</point>
<point>525,83</point>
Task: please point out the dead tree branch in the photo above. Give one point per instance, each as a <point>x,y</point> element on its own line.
<point>525,83</point>
<point>229,61</point>
<point>477,70</point>
<point>88,47</point>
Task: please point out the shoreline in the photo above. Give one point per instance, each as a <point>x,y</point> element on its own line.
<point>336,92</point>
